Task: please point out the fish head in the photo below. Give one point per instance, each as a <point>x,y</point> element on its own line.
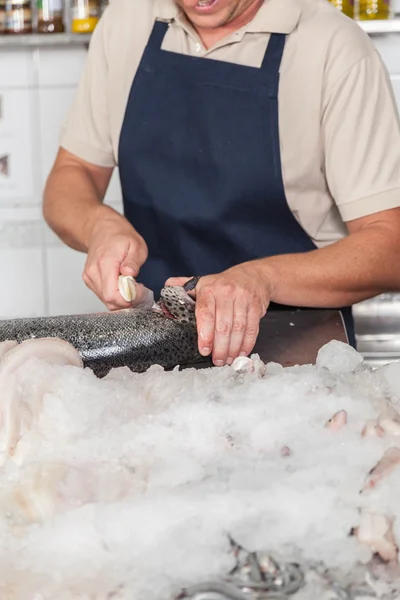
<point>176,304</point>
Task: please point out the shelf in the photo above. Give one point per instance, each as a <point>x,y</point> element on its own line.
<point>40,40</point>
<point>80,39</point>
<point>380,27</point>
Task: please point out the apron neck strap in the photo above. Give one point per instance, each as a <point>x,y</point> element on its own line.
<point>274,52</point>
<point>157,35</point>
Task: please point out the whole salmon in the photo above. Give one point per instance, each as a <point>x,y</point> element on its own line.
<point>165,335</point>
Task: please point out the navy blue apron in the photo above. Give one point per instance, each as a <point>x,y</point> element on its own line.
<point>200,166</point>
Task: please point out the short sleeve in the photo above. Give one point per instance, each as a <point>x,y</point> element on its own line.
<point>361,140</point>
<point>86,130</point>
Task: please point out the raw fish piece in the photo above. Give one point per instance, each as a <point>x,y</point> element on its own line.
<point>16,410</point>
<point>45,490</point>
<point>389,420</point>
<point>372,429</point>
<point>376,531</point>
<point>389,462</point>
<point>6,347</point>
<point>337,422</point>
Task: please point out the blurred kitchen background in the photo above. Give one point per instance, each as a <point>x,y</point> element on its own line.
<point>43,45</point>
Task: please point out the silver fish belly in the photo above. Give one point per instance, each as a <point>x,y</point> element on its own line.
<point>135,338</point>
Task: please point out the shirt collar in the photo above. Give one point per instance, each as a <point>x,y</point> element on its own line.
<point>274,16</point>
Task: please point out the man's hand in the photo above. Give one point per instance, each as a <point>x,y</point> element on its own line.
<point>229,307</point>
<point>115,248</point>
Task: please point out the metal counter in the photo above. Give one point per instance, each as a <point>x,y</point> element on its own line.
<point>377,323</point>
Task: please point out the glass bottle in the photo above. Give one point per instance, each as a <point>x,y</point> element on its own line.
<point>2,16</point>
<point>345,6</point>
<point>18,16</point>
<point>50,16</point>
<point>374,10</point>
<point>85,15</point>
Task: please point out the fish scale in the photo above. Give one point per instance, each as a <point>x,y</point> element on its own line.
<point>133,338</point>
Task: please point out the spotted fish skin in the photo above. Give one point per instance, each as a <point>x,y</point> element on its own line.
<point>135,338</point>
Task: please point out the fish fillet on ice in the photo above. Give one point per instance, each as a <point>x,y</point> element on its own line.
<point>17,408</point>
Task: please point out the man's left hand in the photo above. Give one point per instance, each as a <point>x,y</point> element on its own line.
<point>229,306</point>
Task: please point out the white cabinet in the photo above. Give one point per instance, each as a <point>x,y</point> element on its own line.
<point>67,293</point>
<point>17,146</point>
<point>17,68</point>
<point>57,67</point>
<point>21,263</point>
<point>21,227</point>
<point>53,104</point>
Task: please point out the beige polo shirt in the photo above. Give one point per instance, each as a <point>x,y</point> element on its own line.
<point>339,125</point>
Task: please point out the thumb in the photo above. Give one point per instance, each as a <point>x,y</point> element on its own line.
<point>129,267</point>
<point>135,257</point>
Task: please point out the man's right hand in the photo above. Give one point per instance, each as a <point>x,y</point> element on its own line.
<point>114,249</point>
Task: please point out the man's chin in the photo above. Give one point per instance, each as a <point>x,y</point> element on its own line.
<point>206,21</point>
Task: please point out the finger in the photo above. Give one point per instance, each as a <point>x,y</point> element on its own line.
<point>205,317</point>
<point>92,280</point>
<point>178,281</point>
<point>91,277</point>
<point>252,328</point>
<point>109,273</point>
<point>87,277</point>
<point>135,256</point>
<point>239,324</point>
<point>129,266</point>
<point>223,328</point>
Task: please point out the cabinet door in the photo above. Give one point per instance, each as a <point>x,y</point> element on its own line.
<point>17,147</point>
<point>53,108</point>
<point>67,293</point>
<point>21,263</point>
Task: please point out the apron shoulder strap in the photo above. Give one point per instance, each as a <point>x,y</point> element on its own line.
<point>157,35</point>
<point>274,52</point>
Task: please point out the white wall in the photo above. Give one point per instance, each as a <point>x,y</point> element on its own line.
<point>38,274</point>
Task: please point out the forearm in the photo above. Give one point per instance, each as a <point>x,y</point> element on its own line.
<point>72,201</point>
<point>358,267</point>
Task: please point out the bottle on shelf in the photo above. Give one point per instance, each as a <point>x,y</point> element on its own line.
<point>85,15</point>
<point>345,6</point>
<point>374,10</point>
<point>2,16</point>
<point>50,17</point>
<point>18,17</point>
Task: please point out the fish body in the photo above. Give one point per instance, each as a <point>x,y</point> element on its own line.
<point>165,335</point>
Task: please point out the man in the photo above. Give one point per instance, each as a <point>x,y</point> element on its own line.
<point>258,146</point>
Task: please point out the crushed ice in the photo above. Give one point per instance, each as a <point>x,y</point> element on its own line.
<point>128,487</point>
